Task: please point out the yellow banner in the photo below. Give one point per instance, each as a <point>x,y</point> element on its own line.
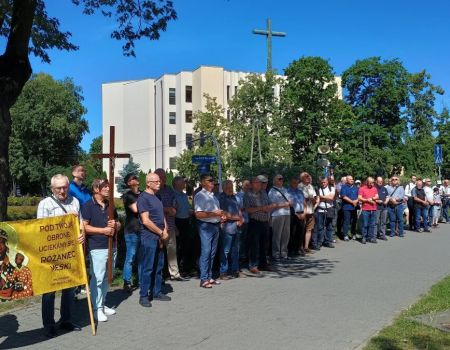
<point>40,256</point>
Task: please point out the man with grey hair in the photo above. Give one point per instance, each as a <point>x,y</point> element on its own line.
<point>57,204</point>
<point>281,218</point>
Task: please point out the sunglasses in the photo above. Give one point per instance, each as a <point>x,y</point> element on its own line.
<point>210,180</point>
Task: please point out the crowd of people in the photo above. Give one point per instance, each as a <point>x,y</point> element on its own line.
<point>220,235</point>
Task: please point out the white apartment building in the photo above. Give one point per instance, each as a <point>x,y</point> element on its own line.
<point>153,117</point>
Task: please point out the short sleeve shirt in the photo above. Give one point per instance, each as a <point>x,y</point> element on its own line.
<point>298,198</point>
<point>80,192</point>
<point>367,193</point>
<point>310,194</point>
<point>49,208</point>
<point>256,199</point>
<point>208,202</point>
<point>382,194</point>
<point>350,192</point>
<point>97,216</point>
<point>183,205</point>
<point>132,224</point>
<point>279,195</point>
<point>149,203</point>
<point>168,199</point>
<point>230,205</point>
<point>419,193</point>
<point>325,192</point>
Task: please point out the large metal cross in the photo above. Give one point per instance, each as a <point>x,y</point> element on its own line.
<point>269,34</point>
<point>112,160</point>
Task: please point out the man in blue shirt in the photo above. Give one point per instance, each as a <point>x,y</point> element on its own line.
<point>396,194</point>
<point>349,195</point>
<point>76,187</point>
<point>154,231</point>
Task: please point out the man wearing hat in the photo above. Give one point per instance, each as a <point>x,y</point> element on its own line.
<point>132,227</point>
<point>6,268</point>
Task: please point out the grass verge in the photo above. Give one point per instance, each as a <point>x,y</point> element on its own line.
<point>405,334</point>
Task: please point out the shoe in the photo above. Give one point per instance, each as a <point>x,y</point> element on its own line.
<point>267,268</point>
<point>427,230</point>
<point>239,275</point>
<point>354,237</point>
<point>50,332</point>
<point>179,278</point>
<point>383,238</point>
<point>144,302</point>
<point>401,236</point>
<point>224,277</point>
<point>363,241</point>
<point>346,239</point>
<point>100,316</point>
<point>108,311</point>
<point>328,245</point>
<point>420,230</point>
<point>373,241</point>
<point>254,270</point>
<point>162,297</point>
<point>315,248</point>
<point>127,287</point>
<point>69,326</point>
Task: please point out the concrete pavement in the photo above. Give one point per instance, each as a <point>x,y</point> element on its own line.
<point>336,299</point>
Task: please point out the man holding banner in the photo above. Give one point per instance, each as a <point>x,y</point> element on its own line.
<point>98,230</point>
<point>57,204</point>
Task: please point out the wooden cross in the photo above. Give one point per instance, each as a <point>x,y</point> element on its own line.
<point>112,158</point>
<point>269,34</point>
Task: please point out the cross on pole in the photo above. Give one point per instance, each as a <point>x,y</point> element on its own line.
<point>112,159</point>
<point>269,34</point>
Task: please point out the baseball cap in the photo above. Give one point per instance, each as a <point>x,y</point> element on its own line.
<point>358,181</point>
<point>262,178</point>
<point>129,177</point>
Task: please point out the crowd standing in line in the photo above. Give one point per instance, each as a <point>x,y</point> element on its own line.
<point>221,236</point>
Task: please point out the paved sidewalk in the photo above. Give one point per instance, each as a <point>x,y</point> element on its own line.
<point>336,299</point>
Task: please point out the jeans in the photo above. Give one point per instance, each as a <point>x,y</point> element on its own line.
<point>48,306</point>
<point>209,237</point>
<point>381,219</point>
<point>369,224</point>
<point>257,238</point>
<point>99,276</point>
<point>229,251</point>
<point>323,230</point>
<point>396,216</point>
<point>297,238</point>
<point>281,227</point>
<point>132,240</point>
<point>422,213</point>
<point>350,218</point>
<point>445,205</point>
<point>151,263</point>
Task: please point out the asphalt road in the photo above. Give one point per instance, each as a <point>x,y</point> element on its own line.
<point>336,299</point>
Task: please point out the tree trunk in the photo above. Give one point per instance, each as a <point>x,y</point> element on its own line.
<point>15,70</point>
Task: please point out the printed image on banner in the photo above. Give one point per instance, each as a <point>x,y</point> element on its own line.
<point>40,256</point>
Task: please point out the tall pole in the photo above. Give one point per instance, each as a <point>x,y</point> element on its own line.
<point>269,34</point>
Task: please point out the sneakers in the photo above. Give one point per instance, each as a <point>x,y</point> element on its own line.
<point>100,316</point>
<point>346,239</point>
<point>255,270</point>
<point>328,245</point>
<point>127,288</point>
<point>144,302</point>
<point>239,275</point>
<point>162,297</point>
<point>108,311</point>
<point>373,240</point>
<point>363,241</point>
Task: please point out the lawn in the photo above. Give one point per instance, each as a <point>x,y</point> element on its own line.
<point>405,334</point>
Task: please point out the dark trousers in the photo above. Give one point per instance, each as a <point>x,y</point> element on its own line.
<point>340,223</point>
<point>186,239</point>
<point>48,306</point>
<point>350,220</point>
<point>297,237</point>
<point>257,237</point>
<point>412,213</point>
<point>151,263</point>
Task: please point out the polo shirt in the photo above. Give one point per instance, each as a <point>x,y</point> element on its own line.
<point>132,224</point>
<point>230,205</point>
<point>97,217</point>
<point>151,204</point>
<point>80,192</point>
<point>382,194</point>
<point>207,201</point>
<point>256,199</point>
<point>298,198</point>
<point>183,205</point>
<point>276,197</point>
<point>350,192</point>
<point>368,192</point>
<point>325,192</point>
<point>419,193</point>
<point>167,196</point>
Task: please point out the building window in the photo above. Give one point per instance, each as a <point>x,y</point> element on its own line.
<point>173,162</point>
<point>172,118</point>
<point>228,93</point>
<point>188,116</point>
<point>172,96</point>
<point>228,115</point>
<point>172,140</point>
<point>235,90</point>
<point>189,142</point>
<point>188,93</point>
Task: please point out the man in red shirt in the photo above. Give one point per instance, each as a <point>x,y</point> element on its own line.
<point>367,195</point>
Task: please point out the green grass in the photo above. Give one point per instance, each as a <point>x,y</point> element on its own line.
<point>405,334</point>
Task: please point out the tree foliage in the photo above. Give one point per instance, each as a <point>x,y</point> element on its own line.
<point>128,168</point>
<point>47,127</point>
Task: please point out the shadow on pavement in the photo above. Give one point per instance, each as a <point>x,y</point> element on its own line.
<point>301,267</point>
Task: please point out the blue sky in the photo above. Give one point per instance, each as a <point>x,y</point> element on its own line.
<point>218,32</point>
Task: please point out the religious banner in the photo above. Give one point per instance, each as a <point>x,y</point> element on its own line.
<point>40,256</point>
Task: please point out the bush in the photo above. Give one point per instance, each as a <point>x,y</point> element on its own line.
<point>22,212</point>
<point>23,201</point>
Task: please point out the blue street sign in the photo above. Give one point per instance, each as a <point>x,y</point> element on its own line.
<point>203,168</point>
<point>438,158</point>
<point>204,159</point>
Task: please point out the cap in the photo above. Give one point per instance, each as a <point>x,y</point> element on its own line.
<point>427,180</point>
<point>129,177</point>
<point>357,181</point>
<point>262,178</point>
<point>3,234</point>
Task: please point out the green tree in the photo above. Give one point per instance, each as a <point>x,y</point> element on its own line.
<point>47,127</point>
<point>378,94</point>
<point>129,168</point>
<point>443,138</point>
<point>22,21</point>
<point>96,147</point>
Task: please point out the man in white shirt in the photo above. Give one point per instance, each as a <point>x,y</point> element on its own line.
<point>445,195</point>
<point>324,229</point>
<point>410,201</point>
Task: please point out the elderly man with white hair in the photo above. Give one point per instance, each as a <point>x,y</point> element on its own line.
<point>57,204</point>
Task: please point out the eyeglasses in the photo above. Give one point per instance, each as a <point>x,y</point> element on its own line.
<point>210,180</point>
<point>154,181</point>
<point>280,178</point>
<point>61,188</point>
